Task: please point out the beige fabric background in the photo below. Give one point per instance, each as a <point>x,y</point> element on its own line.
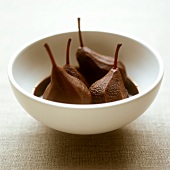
<point>27,144</point>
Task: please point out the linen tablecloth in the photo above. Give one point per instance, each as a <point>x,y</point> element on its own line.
<point>27,144</point>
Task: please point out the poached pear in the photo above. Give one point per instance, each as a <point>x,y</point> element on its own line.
<point>65,88</point>
<point>99,65</point>
<point>71,69</point>
<point>41,86</point>
<point>110,88</point>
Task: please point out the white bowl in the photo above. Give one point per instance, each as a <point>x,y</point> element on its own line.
<point>31,64</point>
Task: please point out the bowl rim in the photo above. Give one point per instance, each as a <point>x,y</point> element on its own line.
<point>85,106</point>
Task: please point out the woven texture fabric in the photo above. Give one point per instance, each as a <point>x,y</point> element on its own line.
<point>143,144</point>
<point>27,144</point>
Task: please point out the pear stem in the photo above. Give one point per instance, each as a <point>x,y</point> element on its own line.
<point>116,55</point>
<point>80,36</point>
<point>67,51</point>
<point>50,54</point>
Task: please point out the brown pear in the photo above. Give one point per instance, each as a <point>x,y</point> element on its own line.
<point>71,69</point>
<point>110,88</point>
<point>131,87</point>
<point>65,88</point>
<point>99,65</point>
<point>41,86</point>
<point>90,59</point>
<point>96,63</point>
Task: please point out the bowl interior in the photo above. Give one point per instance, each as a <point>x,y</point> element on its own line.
<point>33,64</point>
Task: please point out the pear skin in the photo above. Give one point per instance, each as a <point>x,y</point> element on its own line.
<point>110,88</point>
<point>99,65</point>
<point>65,88</point>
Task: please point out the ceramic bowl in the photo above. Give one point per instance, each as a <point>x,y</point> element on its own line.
<point>31,64</point>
